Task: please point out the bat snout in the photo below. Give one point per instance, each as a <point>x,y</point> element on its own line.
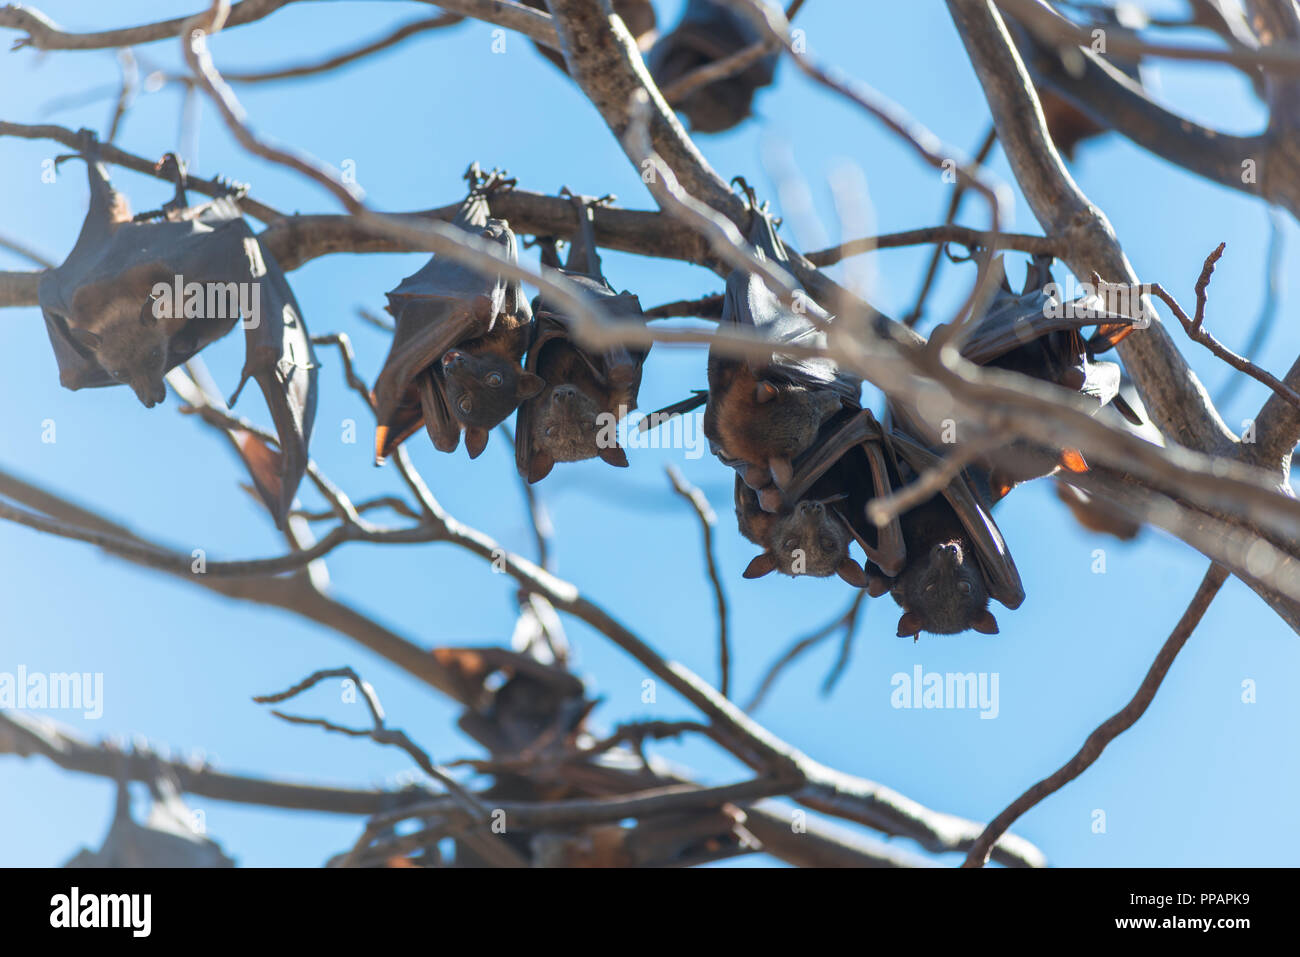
<point>564,393</point>
<point>811,509</point>
<point>948,552</point>
<point>149,394</point>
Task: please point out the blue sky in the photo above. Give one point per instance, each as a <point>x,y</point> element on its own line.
<point>1203,779</point>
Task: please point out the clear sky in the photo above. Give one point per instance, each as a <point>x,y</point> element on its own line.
<point>1204,778</point>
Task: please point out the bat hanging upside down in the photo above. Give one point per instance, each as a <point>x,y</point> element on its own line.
<point>585,391</point>
<point>943,559</point>
<point>139,296</point>
<point>456,359</point>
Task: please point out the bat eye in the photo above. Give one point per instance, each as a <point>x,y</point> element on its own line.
<point>465,405</point>
<point>827,545</point>
<point>550,431</point>
<point>929,588</point>
<point>494,379</point>
<point>965,587</point>
<point>790,545</point>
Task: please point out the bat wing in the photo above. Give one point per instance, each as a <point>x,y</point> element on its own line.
<point>1014,321</point>
<point>1000,573</point>
<point>279,358</point>
<point>438,307</point>
<point>847,461</point>
<point>748,302</point>
<point>618,366</point>
<point>78,368</point>
<point>836,437</point>
<point>107,211</point>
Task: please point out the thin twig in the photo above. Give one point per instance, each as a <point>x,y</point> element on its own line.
<point>946,233</point>
<point>350,56</point>
<point>954,206</point>
<point>846,621</point>
<point>1112,727</point>
<point>1268,309</point>
<point>1196,332</point>
<point>708,519</point>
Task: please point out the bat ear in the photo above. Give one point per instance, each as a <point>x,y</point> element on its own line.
<point>764,392</point>
<point>877,585</point>
<point>986,624</point>
<point>540,467</point>
<point>614,455</point>
<point>761,565</point>
<point>754,476</point>
<point>84,337</point>
<point>529,385</point>
<point>852,573</point>
<point>770,499</point>
<point>909,626</point>
<point>782,472</point>
<point>475,441</point>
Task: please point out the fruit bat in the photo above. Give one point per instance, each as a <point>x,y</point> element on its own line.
<point>708,32</point>
<point>586,392</point>
<point>945,558</point>
<point>824,507</point>
<point>1035,335</point>
<point>105,323</point>
<point>138,296</point>
<point>760,414</point>
<point>956,558</point>
<point>456,359</point>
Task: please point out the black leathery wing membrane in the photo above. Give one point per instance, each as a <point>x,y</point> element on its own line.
<point>280,359</point>
<point>104,324</point>
<point>852,458</point>
<point>973,510</point>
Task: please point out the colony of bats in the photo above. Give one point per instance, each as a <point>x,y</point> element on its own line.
<point>469,351</point>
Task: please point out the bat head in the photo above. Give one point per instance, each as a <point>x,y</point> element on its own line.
<point>567,427</point>
<point>129,343</point>
<point>482,390</point>
<point>943,592</point>
<point>767,424</point>
<point>810,539</point>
